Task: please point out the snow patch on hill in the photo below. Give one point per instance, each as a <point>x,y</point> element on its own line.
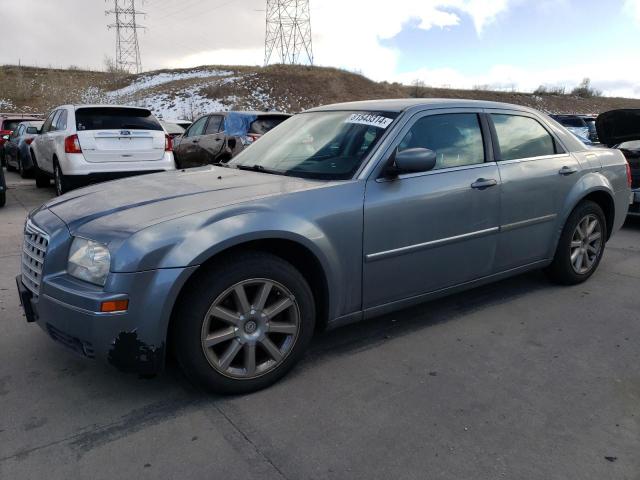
<point>148,81</point>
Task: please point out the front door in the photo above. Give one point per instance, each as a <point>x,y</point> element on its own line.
<point>537,175</point>
<point>428,231</point>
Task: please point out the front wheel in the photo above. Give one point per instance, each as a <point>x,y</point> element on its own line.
<point>244,323</point>
<point>581,245</point>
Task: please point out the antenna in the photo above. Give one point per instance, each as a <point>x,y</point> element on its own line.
<point>288,37</point>
<point>126,26</point>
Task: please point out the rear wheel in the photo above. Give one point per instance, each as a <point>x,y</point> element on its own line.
<point>3,198</point>
<point>581,245</point>
<point>245,323</point>
<point>23,173</point>
<point>61,181</point>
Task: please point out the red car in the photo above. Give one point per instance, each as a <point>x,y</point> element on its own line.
<point>8,123</point>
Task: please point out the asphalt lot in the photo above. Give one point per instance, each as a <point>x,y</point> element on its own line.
<point>517,380</point>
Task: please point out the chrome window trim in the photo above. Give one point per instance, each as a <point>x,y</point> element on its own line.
<point>525,223</point>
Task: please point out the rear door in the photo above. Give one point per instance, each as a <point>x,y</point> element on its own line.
<point>188,152</point>
<point>212,142</point>
<point>537,174</point>
<point>44,144</point>
<point>110,134</point>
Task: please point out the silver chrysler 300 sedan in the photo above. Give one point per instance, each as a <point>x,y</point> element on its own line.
<point>339,214</point>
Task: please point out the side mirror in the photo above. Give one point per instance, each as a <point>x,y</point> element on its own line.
<point>415,160</point>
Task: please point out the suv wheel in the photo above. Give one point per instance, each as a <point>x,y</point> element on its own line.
<point>61,182</point>
<point>23,173</point>
<point>244,323</point>
<point>42,179</point>
<point>581,245</point>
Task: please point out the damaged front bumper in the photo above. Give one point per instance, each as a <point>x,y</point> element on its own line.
<point>68,310</point>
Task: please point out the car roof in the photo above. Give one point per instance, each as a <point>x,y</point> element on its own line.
<point>33,123</point>
<point>99,105</point>
<point>400,105</point>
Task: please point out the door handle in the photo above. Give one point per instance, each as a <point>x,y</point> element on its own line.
<point>484,183</point>
<point>195,141</point>
<point>567,170</point>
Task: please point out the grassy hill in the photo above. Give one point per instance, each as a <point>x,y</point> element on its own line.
<point>187,93</point>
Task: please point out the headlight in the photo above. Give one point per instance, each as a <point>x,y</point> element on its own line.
<point>89,261</point>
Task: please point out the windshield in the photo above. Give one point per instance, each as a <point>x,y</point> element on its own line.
<point>320,145</point>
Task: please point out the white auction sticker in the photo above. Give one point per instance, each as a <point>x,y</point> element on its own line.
<point>370,119</point>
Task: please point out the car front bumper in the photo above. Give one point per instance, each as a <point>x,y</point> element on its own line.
<point>68,310</point>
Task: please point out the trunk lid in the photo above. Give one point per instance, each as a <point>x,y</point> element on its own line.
<point>618,126</point>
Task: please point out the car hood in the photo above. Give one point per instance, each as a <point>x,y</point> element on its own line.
<point>130,205</point>
<point>618,126</point>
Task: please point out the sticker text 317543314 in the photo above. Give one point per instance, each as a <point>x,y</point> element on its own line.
<point>370,119</point>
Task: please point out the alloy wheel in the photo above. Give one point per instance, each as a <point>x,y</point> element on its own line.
<point>250,328</point>
<point>586,244</point>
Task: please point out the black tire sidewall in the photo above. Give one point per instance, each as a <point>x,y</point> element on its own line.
<point>561,269</point>
<point>206,287</point>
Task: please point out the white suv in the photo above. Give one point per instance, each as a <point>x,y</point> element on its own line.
<point>83,144</point>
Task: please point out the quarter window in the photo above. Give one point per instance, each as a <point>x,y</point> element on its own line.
<point>455,138</point>
<point>522,137</point>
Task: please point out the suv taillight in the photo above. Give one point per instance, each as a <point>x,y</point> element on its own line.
<point>168,143</point>
<point>72,144</point>
<point>29,141</point>
<point>629,177</point>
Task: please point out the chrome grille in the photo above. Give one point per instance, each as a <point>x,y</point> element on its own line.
<point>34,250</point>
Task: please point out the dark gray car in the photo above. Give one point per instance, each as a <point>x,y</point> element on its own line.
<point>218,137</point>
<point>16,149</point>
<point>340,214</point>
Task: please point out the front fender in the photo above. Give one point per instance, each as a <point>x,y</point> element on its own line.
<point>192,240</point>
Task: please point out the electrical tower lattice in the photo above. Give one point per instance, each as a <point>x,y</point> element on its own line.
<point>126,26</point>
<point>288,39</point>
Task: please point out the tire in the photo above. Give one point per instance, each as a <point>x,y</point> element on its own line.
<point>3,198</point>
<point>42,179</point>
<point>579,251</point>
<point>10,168</point>
<point>61,182</point>
<point>217,368</point>
<point>23,173</point>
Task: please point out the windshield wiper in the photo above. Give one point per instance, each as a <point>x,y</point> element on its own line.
<point>259,168</point>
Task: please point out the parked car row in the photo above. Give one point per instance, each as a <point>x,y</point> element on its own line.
<point>583,126</point>
<point>8,123</point>
<point>77,145</point>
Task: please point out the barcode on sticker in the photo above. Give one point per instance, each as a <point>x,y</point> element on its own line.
<point>370,119</point>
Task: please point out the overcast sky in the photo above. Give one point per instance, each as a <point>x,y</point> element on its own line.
<point>457,43</point>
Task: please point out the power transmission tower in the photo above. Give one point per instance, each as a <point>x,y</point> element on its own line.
<point>126,26</point>
<point>288,38</point>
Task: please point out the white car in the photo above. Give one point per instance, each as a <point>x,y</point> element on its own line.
<point>83,144</point>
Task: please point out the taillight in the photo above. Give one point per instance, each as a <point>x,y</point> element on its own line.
<point>629,177</point>
<point>72,144</point>
<point>28,141</point>
<point>168,143</point>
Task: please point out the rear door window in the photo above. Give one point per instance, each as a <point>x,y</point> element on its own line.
<point>47,124</point>
<point>265,123</point>
<point>455,138</point>
<point>522,137</point>
<point>115,119</point>
<point>215,121</point>
<point>61,121</point>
